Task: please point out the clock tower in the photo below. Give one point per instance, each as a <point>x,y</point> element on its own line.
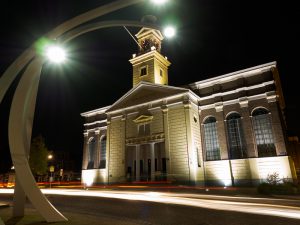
<point>149,64</point>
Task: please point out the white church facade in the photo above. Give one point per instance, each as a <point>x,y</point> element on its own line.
<point>227,130</point>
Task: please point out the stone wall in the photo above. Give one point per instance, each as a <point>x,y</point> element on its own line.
<point>116,151</point>
<point>178,144</point>
<point>248,171</point>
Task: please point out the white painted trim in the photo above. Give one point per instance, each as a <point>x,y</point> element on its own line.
<point>95,112</point>
<point>95,129</point>
<point>234,75</point>
<point>220,94</point>
<point>93,123</point>
<point>230,102</point>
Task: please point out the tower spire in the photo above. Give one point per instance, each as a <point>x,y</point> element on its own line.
<point>149,64</point>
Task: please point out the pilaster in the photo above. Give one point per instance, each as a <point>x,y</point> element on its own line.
<point>248,129</point>
<point>85,148</point>
<point>165,111</point>
<point>97,152</point>
<point>221,130</point>
<point>277,129</point>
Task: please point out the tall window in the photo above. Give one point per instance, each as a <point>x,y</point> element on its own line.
<point>91,153</point>
<point>211,139</point>
<point>263,133</point>
<point>103,153</point>
<point>236,140</point>
<point>144,129</point>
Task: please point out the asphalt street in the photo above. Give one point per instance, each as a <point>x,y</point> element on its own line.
<point>159,208</point>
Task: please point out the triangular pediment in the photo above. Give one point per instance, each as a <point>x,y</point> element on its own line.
<point>143,119</point>
<point>145,92</point>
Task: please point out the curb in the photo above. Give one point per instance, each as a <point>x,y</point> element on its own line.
<point>3,206</point>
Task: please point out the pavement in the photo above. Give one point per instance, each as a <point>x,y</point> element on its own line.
<point>33,218</point>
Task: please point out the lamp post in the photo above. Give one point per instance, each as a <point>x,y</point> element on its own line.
<point>23,103</point>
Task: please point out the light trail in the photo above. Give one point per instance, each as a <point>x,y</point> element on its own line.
<point>226,203</point>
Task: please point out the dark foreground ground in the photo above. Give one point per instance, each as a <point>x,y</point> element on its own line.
<point>107,211</point>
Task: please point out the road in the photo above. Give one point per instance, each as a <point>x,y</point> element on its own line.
<point>160,208</point>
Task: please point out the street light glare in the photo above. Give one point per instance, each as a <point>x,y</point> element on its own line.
<point>169,32</point>
<point>159,2</point>
<point>56,54</point>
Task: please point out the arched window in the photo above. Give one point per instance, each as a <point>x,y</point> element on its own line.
<point>211,139</point>
<point>236,140</point>
<point>263,133</point>
<point>91,153</point>
<point>103,153</point>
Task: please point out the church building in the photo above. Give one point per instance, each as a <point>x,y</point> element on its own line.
<point>228,130</point>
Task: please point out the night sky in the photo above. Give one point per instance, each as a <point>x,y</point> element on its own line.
<point>213,38</point>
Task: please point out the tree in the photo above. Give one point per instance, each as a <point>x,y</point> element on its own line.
<point>38,156</point>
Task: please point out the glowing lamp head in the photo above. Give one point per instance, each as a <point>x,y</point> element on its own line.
<point>159,2</point>
<point>169,32</point>
<point>55,54</point>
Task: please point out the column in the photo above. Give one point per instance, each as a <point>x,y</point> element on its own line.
<point>137,163</point>
<point>152,149</point>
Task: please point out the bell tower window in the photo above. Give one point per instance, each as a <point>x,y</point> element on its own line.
<point>143,71</point>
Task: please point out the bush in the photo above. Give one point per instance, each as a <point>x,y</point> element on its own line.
<point>264,188</point>
<point>279,189</point>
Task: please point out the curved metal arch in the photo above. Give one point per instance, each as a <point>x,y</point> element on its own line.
<point>22,61</point>
<point>20,127</point>
<point>101,25</point>
<point>23,104</point>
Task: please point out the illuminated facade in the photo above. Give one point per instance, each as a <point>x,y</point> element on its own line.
<point>227,130</point>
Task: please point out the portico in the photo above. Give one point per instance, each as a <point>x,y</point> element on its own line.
<point>151,160</point>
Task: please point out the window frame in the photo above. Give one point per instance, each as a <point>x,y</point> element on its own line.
<point>146,70</point>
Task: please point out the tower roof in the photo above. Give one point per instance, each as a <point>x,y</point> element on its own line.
<point>144,32</point>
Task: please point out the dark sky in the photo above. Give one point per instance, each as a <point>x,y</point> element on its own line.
<point>213,38</point>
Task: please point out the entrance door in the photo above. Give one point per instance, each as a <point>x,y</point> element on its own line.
<point>149,169</point>
<point>135,169</point>
<point>164,168</point>
<point>142,170</point>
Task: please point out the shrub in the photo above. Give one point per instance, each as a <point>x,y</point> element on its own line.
<point>279,189</point>
<point>264,188</point>
<point>273,178</point>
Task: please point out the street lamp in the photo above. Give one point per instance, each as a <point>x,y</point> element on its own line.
<point>50,156</point>
<point>23,103</point>
<point>169,32</point>
<point>159,2</point>
<point>55,53</point>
